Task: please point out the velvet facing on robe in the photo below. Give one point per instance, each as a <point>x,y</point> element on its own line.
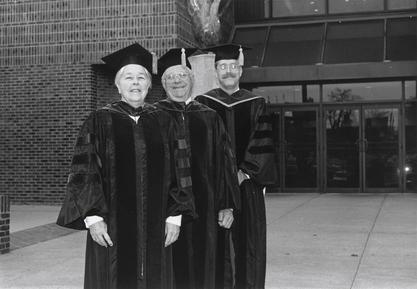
<point>124,172</point>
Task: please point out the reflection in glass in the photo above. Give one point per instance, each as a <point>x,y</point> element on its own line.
<point>401,4</point>
<point>401,39</point>
<point>381,148</point>
<point>286,8</point>
<point>280,94</point>
<point>410,90</point>
<point>250,10</point>
<point>349,6</point>
<point>253,38</point>
<point>294,45</point>
<point>348,92</point>
<point>410,168</point>
<point>313,93</point>
<point>289,93</point>
<point>300,149</point>
<point>342,135</point>
<point>356,41</point>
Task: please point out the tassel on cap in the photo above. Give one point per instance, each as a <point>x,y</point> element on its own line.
<point>183,61</point>
<point>240,59</point>
<point>154,63</point>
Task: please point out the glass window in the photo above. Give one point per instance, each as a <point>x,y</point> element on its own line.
<point>354,42</point>
<point>281,94</point>
<point>285,8</point>
<point>381,132</point>
<point>410,90</point>
<point>401,4</point>
<point>253,38</point>
<point>294,45</point>
<point>348,92</point>
<point>313,93</point>
<point>300,136</point>
<point>410,169</point>
<point>250,10</point>
<point>350,6</point>
<point>402,39</point>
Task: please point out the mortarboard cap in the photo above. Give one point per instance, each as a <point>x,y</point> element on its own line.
<point>228,51</point>
<point>175,56</point>
<point>132,54</point>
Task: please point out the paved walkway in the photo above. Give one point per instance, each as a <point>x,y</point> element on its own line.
<point>329,241</point>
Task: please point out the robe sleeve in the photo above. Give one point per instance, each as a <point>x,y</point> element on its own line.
<point>84,189</point>
<point>259,160</point>
<point>226,171</point>
<point>180,197</point>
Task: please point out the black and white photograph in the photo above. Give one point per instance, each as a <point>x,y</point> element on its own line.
<point>208,144</point>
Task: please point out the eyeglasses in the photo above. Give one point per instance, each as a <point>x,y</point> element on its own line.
<point>231,66</point>
<point>173,77</point>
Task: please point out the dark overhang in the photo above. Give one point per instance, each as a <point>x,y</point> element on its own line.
<point>326,72</point>
<point>384,47</point>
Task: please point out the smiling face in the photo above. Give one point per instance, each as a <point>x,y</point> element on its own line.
<point>133,82</point>
<point>177,82</point>
<point>228,73</point>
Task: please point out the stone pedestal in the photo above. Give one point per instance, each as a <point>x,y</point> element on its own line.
<point>204,73</point>
<point>4,224</point>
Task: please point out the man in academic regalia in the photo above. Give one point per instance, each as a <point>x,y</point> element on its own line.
<point>123,185</point>
<point>200,256</point>
<point>251,136</point>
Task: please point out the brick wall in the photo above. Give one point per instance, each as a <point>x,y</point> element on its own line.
<point>4,224</point>
<point>51,79</point>
<point>79,31</point>
<point>41,110</point>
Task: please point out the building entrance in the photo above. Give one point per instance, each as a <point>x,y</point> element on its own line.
<point>362,148</point>
<point>340,147</point>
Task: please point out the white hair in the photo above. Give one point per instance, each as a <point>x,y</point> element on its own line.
<point>121,71</point>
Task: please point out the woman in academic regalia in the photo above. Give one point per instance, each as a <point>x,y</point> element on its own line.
<point>123,185</point>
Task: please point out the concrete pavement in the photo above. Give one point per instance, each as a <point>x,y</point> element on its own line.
<point>328,241</point>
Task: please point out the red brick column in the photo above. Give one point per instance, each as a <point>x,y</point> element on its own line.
<point>4,224</point>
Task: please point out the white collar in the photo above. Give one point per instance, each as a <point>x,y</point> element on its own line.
<point>135,118</point>
<point>188,100</point>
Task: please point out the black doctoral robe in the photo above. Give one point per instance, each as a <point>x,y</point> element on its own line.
<point>123,171</point>
<point>201,256</point>
<point>250,130</point>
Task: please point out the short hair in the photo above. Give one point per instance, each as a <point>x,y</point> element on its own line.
<point>189,72</point>
<point>121,70</point>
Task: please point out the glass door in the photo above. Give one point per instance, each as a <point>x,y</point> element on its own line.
<point>342,148</point>
<point>381,148</point>
<point>362,148</point>
<point>299,148</point>
<point>410,164</point>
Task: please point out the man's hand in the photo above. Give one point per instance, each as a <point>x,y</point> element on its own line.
<point>225,218</point>
<point>99,234</point>
<point>241,176</point>
<point>171,233</point>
